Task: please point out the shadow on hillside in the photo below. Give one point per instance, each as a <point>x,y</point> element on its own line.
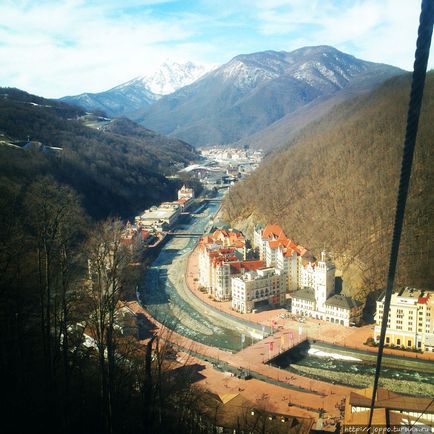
<point>370,306</point>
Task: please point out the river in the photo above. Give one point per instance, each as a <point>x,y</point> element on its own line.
<point>357,368</point>
<point>166,297</point>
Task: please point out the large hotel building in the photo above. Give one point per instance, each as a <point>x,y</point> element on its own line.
<point>411,319</point>
<point>284,267</point>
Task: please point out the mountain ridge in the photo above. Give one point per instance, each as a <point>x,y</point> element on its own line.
<point>140,91</point>
<point>252,91</point>
<point>117,167</point>
<point>281,132</point>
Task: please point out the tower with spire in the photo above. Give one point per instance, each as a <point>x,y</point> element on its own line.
<point>324,281</point>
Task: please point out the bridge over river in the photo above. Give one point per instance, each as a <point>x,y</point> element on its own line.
<point>184,234</point>
<point>166,297</point>
<point>212,200</point>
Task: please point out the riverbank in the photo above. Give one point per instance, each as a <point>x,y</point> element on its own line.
<point>348,337</point>
<point>204,326</point>
<point>313,394</point>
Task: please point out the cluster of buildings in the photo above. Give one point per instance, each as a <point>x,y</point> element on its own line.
<point>232,154</point>
<point>150,226</point>
<point>284,267</point>
<point>310,282</point>
<point>137,236</point>
<point>227,274</point>
<point>162,217</point>
<point>410,323</point>
<point>222,167</point>
<point>397,412</point>
<point>284,270</point>
<point>222,256</point>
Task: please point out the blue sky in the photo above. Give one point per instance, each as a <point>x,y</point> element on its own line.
<point>63,47</point>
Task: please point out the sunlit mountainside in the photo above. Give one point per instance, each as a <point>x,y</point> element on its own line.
<point>334,186</point>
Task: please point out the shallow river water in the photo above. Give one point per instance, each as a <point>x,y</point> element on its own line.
<point>165,296</point>
<point>357,368</point>
<point>167,303</point>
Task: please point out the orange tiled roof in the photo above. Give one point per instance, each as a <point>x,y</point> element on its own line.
<point>235,236</point>
<point>391,400</point>
<point>272,230</point>
<point>206,239</point>
<point>302,251</point>
<point>423,300</point>
<point>289,251</point>
<point>276,237</point>
<point>252,265</point>
<point>220,232</point>
<point>221,259</point>
<point>236,267</point>
<point>274,244</point>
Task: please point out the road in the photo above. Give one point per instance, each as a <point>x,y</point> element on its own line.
<point>168,299</point>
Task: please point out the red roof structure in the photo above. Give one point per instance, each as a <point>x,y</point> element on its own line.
<point>242,266</point>
<point>276,237</point>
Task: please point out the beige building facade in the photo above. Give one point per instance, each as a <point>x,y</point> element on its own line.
<point>410,323</point>
<point>256,288</point>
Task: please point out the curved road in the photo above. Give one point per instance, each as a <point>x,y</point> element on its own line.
<point>171,302</point>
<point>168,299</point>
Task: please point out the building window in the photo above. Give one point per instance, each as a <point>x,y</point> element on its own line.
<point>387,340</point>
<point>398,342</point>
<point>409,343</point>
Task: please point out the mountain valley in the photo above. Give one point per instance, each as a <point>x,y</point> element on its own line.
<point>116,167</point>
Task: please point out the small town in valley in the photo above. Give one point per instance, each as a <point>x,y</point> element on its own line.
<point>267,321</point>
<point>216,217</point>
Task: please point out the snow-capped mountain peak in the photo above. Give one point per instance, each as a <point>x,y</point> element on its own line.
<point>142,91</point>
<point>170,76</point>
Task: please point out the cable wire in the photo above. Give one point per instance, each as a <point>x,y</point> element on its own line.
<point>417,86</point>
<point>426,408</point>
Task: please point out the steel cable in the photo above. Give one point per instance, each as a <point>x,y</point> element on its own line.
<point>417,86</point>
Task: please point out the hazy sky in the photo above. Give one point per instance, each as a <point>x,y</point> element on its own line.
<point>63,47</point>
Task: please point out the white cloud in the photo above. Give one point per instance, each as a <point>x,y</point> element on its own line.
<point>70,47</point>
<point>381,31</point>
<point>59,47</point>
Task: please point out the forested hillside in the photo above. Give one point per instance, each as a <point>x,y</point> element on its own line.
<point>117,169</point>
<point>335,185</point>
<point>68,362</point>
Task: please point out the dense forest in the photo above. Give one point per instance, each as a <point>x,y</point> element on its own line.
<point>117,168</point>
<point>335,186</point>
<point>66,364</point>
<point>71,359</point>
